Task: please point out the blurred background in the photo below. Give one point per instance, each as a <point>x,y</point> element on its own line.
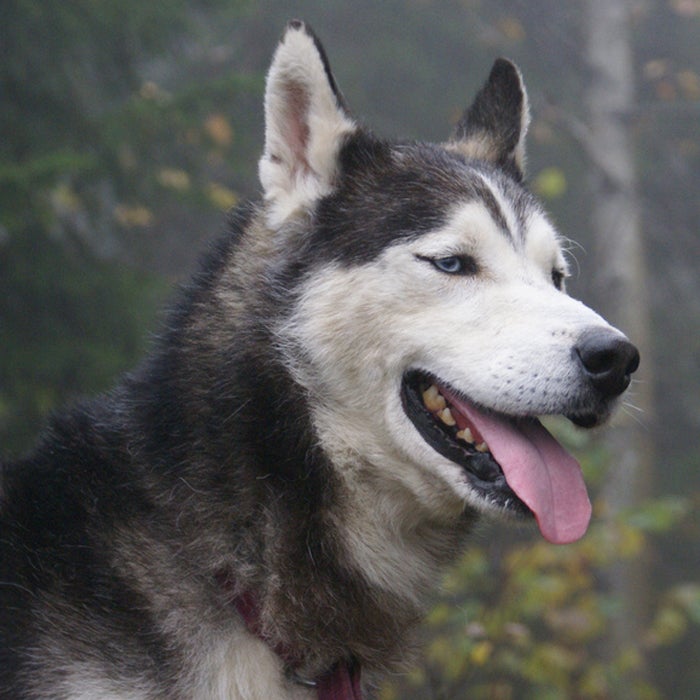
<point>127,129</point>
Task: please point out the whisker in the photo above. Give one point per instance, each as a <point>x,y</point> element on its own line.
<point>568,246</point>
<point>635,413</point>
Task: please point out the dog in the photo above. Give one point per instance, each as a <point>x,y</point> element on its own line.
<point>261,509</point>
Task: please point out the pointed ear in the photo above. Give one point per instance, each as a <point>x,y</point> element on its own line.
<point>494,127</point>
<point>306,122</point>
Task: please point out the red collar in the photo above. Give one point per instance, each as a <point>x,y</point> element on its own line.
<point>341,682</point>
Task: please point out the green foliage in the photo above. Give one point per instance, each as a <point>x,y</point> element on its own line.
<point>77,115</point>
<point>54,345</point>
<point>169,148</point>
<point>97,165</point>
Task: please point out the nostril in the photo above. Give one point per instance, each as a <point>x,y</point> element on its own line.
<point>597,360</point>
<point>608,360</point>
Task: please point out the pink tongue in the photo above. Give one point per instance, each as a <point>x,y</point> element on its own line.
<point>540,471</point>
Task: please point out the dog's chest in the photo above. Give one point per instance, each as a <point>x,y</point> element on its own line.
<point>245,668</point>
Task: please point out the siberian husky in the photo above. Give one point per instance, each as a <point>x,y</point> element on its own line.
<point>260,510</point>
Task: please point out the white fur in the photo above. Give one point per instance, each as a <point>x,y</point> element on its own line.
<point>84,681</point>
<point>519,153</point>
<point>542,245</point>
<point>304,127</point>
<point>229,665</point>
<point>509,215</point>
<point>485,335</point>
<point>244,667</point>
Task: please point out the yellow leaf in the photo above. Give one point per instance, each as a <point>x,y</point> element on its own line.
<point>656,69</point>
<point>481,653</point>
<point>690,84</point>
<point>151,91</point>
<point>687,8</point>
<point>594,682</point>
<point>668,626</point>
<point>666,90</point>
<point>64,199</point>
<point>219,130</point>
<point>440,614</point>
<point>628,661</point>
<point>631,542</point>
<point>550,183</point>
<point>220,196</point>
<point>130,216</point>
<point>174,179</point>
<point>512,28</point>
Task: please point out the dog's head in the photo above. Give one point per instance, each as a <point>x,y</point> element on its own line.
<point>431,326</point>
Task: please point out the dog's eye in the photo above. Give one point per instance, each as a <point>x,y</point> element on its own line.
<point>454,264</point>
<point>558,278</point>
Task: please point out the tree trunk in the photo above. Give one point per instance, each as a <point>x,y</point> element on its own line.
<point>621,284</point>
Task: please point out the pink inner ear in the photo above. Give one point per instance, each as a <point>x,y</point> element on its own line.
<point>296,120</point>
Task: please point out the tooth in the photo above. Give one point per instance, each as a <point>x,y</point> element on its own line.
<point>446,417</point>
<point>434,401</point>
<point>481,447</point>
<point>465,435</point>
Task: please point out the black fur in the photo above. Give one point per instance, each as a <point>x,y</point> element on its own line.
<point>199,452</point>
<point>398,191</point>
<point>497,113</point>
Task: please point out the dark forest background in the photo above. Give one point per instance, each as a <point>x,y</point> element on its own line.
<point>127,129</point>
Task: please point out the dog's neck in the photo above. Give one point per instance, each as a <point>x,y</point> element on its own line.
<point>338,572</point>
<point>326,592</point>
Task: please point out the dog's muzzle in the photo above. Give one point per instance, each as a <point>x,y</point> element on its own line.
<point>512,461</point>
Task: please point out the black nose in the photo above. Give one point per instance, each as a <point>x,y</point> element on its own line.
<point>608,359</point>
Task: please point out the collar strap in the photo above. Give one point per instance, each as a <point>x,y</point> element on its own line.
<point>341,682</point>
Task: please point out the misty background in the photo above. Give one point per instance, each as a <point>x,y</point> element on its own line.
<point>128,129</point>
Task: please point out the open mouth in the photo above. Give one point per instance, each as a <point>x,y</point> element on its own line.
<point>511,463</point>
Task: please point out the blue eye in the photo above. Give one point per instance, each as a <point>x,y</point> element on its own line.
<point>454,264</point>
<point>451,265</point>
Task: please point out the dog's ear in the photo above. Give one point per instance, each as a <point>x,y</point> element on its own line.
<point>495,126</point>
<point>306,122</point>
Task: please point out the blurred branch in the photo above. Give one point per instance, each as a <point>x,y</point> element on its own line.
<point>580,133</point>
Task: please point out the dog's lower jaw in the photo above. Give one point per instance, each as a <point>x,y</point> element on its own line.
<point>480,470</point>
